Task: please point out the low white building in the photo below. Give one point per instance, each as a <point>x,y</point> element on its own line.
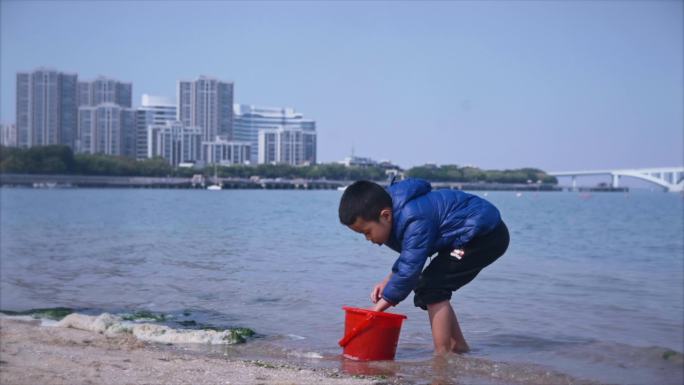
<point>294,146</point>
<point>249,119</point>
<point>226,152</point>
<point>174,142</point>
<point>358,161</point>
<point>8,136</point>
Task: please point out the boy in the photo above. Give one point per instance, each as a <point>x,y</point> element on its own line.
<point>466,231</point>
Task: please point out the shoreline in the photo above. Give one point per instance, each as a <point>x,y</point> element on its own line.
<point>35,354</point>
<point>106,349</point>
<point>49,181</point>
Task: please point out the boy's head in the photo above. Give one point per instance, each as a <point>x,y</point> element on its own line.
<point>366,208</point>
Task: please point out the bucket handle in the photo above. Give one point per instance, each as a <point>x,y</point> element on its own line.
<point>356,330</point>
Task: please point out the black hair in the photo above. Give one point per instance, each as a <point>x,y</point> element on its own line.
<point>363,199</point>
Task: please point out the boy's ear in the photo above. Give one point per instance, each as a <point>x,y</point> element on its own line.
<point>386,213</point>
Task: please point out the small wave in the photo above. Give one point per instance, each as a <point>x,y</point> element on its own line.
<point>266,299</point>
<point>519,341</point>
<point>295,337</point>
<point>18,317</point>
<point>109,324</point>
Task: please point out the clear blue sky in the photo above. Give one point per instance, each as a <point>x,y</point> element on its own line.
<point>558,85</point>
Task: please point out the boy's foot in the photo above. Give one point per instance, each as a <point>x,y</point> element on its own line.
<point>460,348</point>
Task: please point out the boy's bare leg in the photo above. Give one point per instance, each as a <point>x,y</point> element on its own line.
<point>446,333</point>
<point>458,342</point>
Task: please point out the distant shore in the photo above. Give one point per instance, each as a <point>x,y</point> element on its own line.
<point>34,354</point>
<point>93,181</point>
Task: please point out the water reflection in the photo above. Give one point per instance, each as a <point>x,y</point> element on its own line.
<point>368,368</point>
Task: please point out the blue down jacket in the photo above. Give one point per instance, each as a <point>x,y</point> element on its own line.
<point>426,222</point>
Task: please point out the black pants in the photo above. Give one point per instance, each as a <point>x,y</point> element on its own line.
<point>446,274</point>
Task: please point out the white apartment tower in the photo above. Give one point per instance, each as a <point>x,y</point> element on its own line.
<point>106,129</point>
<point>46,108</point>
<point>154,111</point>
<point>207,103</point>
<point>104,90</point>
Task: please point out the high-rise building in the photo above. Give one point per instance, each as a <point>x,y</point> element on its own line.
<point>46,108</point>
<point>249,119</point>
<point>104,90</point>
<point>154,111</point>
<point>207,103</point>
<point>8,135</point>
<point>294,146</point>
<point>226,152</point>
<point>175,142</point>
<point>106,122</point>
<point>106,129</point>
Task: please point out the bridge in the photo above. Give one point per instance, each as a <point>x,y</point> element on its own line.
<point>670,178</point>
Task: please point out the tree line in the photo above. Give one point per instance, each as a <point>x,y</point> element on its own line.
<point>60,159</point>
<point>453,173</point>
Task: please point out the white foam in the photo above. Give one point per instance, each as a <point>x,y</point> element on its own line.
<point>48,322</point>
<point>167,335</point>
<point>104,323</point>
<point>109,324</point>
<point>305,354</point>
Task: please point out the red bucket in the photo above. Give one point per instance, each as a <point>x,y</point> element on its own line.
<point>370,335</point>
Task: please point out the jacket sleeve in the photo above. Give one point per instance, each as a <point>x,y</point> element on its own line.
<point>419,239</point>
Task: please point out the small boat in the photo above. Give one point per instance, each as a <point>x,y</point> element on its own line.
<point>216,186</point>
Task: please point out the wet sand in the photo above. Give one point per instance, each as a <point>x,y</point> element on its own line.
<point>32,354</point>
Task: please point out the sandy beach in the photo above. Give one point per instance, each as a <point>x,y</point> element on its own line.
<point>32,354</point>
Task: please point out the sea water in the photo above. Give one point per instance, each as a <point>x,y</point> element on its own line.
<point>591,286</point>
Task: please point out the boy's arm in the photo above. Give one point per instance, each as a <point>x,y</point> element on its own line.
<point>419,239</point>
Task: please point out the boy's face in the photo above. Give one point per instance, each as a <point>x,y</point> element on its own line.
<point>378,231</point>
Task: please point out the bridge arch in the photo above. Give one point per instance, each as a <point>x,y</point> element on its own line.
<point>658,176</point>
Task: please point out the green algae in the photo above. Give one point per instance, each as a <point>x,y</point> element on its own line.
<point>240,335</point>
<point>234,337</point>
<point>53,313</point>
<point>245,332</point>
<point>211,327</point>
<point>144,315</point>
<point>668,354</point>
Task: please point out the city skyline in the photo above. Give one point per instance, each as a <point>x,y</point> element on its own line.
<point>197,129</point>
<point>559,86</point>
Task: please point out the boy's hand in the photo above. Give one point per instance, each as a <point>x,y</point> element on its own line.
<point>376,293</point>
